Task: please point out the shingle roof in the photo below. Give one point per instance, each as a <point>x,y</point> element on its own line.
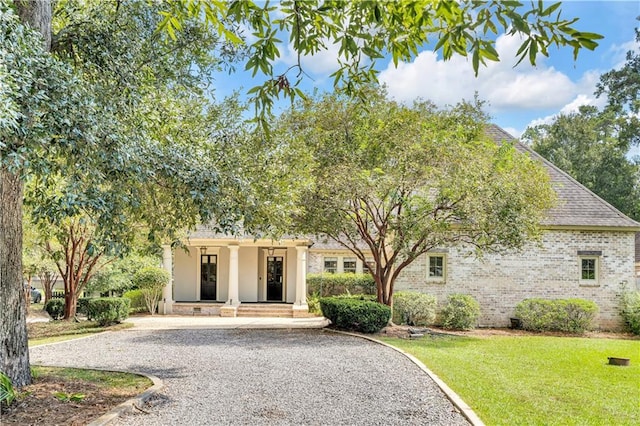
<point>577,206</point>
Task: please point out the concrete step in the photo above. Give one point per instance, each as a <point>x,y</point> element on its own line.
<point>277,311</point>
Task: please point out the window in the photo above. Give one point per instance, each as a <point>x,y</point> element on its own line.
<point>589,270</point>
<point>371,264</point>
<point>349,265</point>
<point>331,265</point>
<point>436,267</point>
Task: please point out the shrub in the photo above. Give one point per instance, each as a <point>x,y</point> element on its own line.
<point>354,314</point>
<point>7,391</point>
<point>55,308</point>
<point>83,306</point>
<point>108,310</point>
<point>137,303</point>
<point>414,308</point>
<point>567,315</point>
<point>150,281</point>
<point>460,313</point>
<point>631,310</point>
<point>313,301</point>
<point>335,284</point>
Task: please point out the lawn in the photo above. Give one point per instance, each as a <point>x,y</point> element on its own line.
<point>55,331</point>
<point>536,380</point>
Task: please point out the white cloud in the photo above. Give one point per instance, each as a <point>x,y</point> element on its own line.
<point>513,132</point>
<point>505,87</point>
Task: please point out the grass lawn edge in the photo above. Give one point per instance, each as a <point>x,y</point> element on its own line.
<point>455,399</point>
<point>132,403</point>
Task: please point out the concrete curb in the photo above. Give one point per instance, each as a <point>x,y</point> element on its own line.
<point>465,410</point>
<point>130,404</point>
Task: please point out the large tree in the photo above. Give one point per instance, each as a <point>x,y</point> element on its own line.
<point>393,182</point>
<point>592,144</point>
<point>592,147</point>
<point>37,94</point>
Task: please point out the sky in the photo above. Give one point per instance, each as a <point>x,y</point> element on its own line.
<point>517,97</point>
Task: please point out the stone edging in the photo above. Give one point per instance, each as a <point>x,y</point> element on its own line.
<point>129,404</point>
<point>465,410</point>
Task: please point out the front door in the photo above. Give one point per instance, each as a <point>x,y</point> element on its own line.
<point>275,278</point>
<point>208,276</point>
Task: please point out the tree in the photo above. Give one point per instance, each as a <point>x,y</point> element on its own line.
<point>394,182</point>
<point>49,109</point>
<point>151,280</point>
<point>117,276</point>
<point>622,86</point>
<point>366,31</point>
<point>592,147</point>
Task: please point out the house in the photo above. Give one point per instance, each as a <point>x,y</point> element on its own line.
<point>588,250</point>
<point>638,260</point>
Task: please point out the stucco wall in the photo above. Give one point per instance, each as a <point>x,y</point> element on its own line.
<point>185,271</point>
<point>550,270</point>
<point>247,274</point>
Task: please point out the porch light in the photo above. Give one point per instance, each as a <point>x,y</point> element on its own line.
<point>203,250</point>
<point>271,251</point>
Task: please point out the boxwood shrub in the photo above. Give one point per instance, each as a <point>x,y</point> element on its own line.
<point>335,284</point>
<point>413,308</point>
<point>108,310</point>
<point>55,308</point>
<point>83,306</point>
<point>460,313</point>
<point>355,314</point>
<point>631,311</point>
<point>137,303</point>
<point>567,315</point>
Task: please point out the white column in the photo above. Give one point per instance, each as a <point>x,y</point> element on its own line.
<point>167,291</point>
<point>234,298</point>
<point>301,278</point>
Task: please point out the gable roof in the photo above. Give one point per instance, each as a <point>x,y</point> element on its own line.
<point>577,206</point>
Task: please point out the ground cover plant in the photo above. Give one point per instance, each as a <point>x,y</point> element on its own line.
<point>71,396</point>
<point>511,380</point>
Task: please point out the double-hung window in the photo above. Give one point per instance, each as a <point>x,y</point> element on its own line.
<point>436,267</point>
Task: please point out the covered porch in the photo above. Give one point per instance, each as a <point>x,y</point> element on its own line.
<point>236,277</point>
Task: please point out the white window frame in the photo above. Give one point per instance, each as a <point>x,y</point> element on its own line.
<point>350,259</point>
<point>439,279</point>
<point>324,265</point>
<point>588,281</point>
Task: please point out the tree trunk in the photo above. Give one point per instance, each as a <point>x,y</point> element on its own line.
<point>14,352</point>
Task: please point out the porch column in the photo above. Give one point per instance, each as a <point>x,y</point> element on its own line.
<point>230,308</point>
<point>167,291</point>
<point>300,307</point>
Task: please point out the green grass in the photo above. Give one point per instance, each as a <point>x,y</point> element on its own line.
<point>103,379</point>
<point>537,380</point>
<point>41,333</point>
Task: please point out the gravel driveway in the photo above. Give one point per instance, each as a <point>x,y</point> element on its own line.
<point>263,377</point>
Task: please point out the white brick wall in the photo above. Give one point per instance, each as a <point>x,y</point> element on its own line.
<point>550,270</point>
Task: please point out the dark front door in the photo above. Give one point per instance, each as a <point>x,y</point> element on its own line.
<point>275,278</point>
<point>208,276</point>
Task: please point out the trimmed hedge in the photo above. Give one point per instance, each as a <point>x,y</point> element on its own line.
<point>108,310</point>
<point>137,303</point>
<point>631,311</point>
<point>355,314</point>
<point>83,306</point>
<point>55,308</point>
<point>412,308</point>
<point>567,315</point>
<point>335,284</point>
<point>460,313</point>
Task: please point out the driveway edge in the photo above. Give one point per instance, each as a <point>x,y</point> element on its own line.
<point>465,410</point>
<point>131,403</point>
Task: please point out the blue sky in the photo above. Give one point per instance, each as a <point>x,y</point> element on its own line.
<point>517,97</point>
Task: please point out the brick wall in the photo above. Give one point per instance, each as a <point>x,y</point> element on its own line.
<point>550,269</point>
